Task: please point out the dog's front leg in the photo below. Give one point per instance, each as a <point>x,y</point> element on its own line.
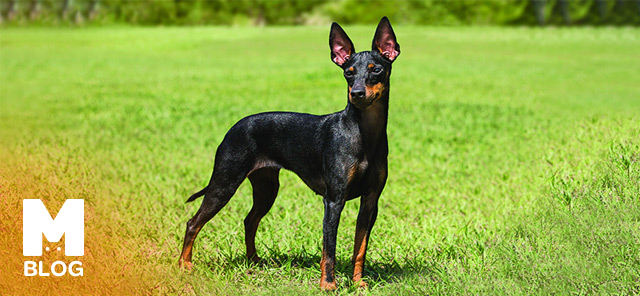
<point>332,210</point>
<point>366,218</point>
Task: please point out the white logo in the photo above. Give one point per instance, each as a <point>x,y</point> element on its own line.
<point>68,222</point>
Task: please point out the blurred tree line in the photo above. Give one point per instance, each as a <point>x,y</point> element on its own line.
<point>311,12</point>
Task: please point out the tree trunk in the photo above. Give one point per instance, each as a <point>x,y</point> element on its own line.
<point>64,12</point>
<point>34,9</point>
<point>11,9</point>
<point>260,20</point>
<point>538,10</point>
<point>77,18</point>
<point>564,10</point>
<point>93,9</point>
<point>602,9</point>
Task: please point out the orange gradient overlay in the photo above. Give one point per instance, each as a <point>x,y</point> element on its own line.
<point>108,264</point>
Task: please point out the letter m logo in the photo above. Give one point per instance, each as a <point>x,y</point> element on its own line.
<point>36,221</point>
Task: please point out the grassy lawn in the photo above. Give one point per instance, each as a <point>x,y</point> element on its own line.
<point>514,158</point>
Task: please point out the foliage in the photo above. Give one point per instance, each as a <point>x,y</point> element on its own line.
<point>295,12</point>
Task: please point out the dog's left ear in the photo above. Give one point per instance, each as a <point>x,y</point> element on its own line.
<point>341,46</point>
<point>385,42</point>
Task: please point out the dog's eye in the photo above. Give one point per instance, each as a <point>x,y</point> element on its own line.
<point>377,70</point>
<point>348,73</point>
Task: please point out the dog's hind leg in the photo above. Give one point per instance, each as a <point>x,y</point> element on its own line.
<point>265,189</point>
<point>226,178</point>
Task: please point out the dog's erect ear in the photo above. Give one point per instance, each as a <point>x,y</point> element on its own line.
<point>385,42</point>
<point>340,44</point>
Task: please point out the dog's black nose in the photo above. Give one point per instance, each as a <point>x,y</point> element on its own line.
<point>358,94</point>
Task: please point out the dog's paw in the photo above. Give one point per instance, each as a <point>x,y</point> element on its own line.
<point>186,265</point>
<point>255,259</point>
<point>328,286</point>
<point>362,284</point>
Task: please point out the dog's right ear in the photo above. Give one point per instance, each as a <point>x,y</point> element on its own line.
<point>340,44</point>
<point>385,41</point>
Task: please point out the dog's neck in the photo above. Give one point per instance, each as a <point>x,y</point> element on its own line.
<point>372,121</point>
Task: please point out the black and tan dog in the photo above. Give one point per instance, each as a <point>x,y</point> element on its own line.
<point>340,156</point>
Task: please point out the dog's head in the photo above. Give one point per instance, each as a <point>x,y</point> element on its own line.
<point>367,72</point>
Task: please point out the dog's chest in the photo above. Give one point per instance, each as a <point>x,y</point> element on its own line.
<point>362,176</point>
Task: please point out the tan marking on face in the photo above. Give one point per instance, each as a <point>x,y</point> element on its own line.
<point>349,94</point>
<point>351,69</point>
<point>375,91</point>
<point>370,66</point>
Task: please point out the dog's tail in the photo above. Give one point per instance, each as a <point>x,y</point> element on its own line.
<point>197,194</point>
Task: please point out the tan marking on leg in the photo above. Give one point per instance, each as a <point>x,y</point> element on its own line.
<point>185,257</point>
<point>382,174</point>
<point>359,252</point>
<point>351,174</point>
<point>324,285</point>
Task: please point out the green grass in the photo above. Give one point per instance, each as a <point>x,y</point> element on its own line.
<point>514,153</point>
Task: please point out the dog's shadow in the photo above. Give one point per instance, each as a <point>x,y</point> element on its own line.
<point>377,271</point>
